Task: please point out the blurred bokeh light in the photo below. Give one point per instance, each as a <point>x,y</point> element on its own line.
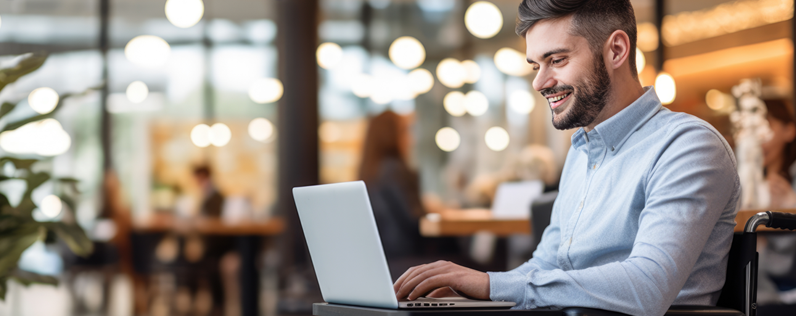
<point>454,103</point>
<point>511,62</point>
<point>147,51</point>
<point>496,138</point>
<point>266,90</point>
<point>447,139</point>
<point>184,13</point>
<point>451,73</point>
<point>43,100</point>
<point>476,103</point>
<point>407,52</point>
<point>329,55</point>
<point>261,129</point>
<point>665,88</point>
<point>483,19</point>
<point>137,92</point>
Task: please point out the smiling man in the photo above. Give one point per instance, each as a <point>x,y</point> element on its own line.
<point>646,209</point>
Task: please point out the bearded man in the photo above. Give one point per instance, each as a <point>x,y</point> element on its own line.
<point>646,209</point>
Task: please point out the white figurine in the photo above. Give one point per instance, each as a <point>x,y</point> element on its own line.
<point>751,130</point>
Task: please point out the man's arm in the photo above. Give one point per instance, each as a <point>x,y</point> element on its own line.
<point>686,194</point>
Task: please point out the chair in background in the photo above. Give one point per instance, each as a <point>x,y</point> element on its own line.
<point>541,209</point>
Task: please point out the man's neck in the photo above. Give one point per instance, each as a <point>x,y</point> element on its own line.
<point>623,92</point>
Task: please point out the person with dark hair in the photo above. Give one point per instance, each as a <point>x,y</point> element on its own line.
<point>647,199</point>
<point>779,154</point>
<point>776,268</point>
<point>212,200</point>
<point>393,187</point>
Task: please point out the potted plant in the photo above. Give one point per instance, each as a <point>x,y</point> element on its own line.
<point>18,228</point>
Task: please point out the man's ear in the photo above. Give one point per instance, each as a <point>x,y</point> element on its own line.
<point>617,50</point>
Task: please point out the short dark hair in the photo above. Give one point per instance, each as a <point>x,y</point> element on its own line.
<point>594,20</point>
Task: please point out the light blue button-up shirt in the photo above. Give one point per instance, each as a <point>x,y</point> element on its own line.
<point>643,220</point>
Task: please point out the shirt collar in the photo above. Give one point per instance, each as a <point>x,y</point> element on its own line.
<point>616,129</point>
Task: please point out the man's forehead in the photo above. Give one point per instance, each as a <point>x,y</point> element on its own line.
<point>549,35</point>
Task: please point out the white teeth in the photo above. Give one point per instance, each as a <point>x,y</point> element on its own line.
<point>554,99</point>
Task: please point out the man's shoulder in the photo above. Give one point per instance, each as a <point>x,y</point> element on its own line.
<point>679,124</point>
<point>679,120</point>
<point>687,129</point>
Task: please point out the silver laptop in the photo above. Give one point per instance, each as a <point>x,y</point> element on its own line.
<point>347,253</point>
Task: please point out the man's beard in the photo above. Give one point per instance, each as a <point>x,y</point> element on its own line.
<point>589,101</point>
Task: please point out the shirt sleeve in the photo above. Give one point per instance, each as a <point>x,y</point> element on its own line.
<point>544,258</point>
<point>689,186</point>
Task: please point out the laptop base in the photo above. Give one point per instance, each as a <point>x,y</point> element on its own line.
<point>328,309</point>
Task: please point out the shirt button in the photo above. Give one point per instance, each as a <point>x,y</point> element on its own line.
<point>595,166</point>
<point>580,206</point>
<point>570,240</point>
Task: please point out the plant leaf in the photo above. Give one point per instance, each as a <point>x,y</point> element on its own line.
<point>6,108</point>
<point>26,64</point>
<point>18,163</point>
<point>14,125</point>
<point>13,242</point>
<point>27,278</point>
<point>9,222</point>
<point>3,288</point>
<point>70,203</point>
<point>37,179</point>
<point>74,236</point>
<point>67,180</point>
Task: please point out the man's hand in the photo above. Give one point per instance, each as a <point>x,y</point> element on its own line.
<point>422,279</point>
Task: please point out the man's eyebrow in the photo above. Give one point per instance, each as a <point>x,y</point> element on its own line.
<point>555,51</point>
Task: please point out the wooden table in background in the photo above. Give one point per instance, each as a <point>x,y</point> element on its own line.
<point>470,221</point>
<point>164,222</point>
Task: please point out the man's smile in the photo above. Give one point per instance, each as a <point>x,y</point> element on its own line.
<point>558,99</point>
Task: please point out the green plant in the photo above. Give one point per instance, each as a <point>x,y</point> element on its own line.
<point>18,229</point>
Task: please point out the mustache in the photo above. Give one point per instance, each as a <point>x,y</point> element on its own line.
<point>556,89</point>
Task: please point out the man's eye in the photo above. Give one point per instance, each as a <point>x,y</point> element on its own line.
<point>557,61</point>
<point>535,67</point>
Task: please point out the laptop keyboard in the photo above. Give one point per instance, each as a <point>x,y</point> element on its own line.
<point>429,304</point>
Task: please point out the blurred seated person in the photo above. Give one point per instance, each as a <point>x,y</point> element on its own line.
<point>220,262</point>
<point>534,162</point>
<point>778,250</point>
<point>393,187</point>
<point>212,200</point>
<point>779,154</point>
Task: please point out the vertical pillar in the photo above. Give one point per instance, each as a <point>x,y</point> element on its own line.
<point>793,69</point>
<point>105,117</point>
<point>208,94</point>
<point>248,247</point>
<point>660,12</point>
<point>297,117</point>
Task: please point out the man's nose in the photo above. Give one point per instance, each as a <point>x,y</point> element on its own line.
<point>543,80</point>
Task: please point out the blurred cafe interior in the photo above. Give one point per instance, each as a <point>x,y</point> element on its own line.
<point>154,143</point>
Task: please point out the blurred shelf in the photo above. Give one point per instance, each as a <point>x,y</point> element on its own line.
<point>163,222</point>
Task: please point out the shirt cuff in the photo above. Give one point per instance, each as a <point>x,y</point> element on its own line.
<point>507,286</point>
